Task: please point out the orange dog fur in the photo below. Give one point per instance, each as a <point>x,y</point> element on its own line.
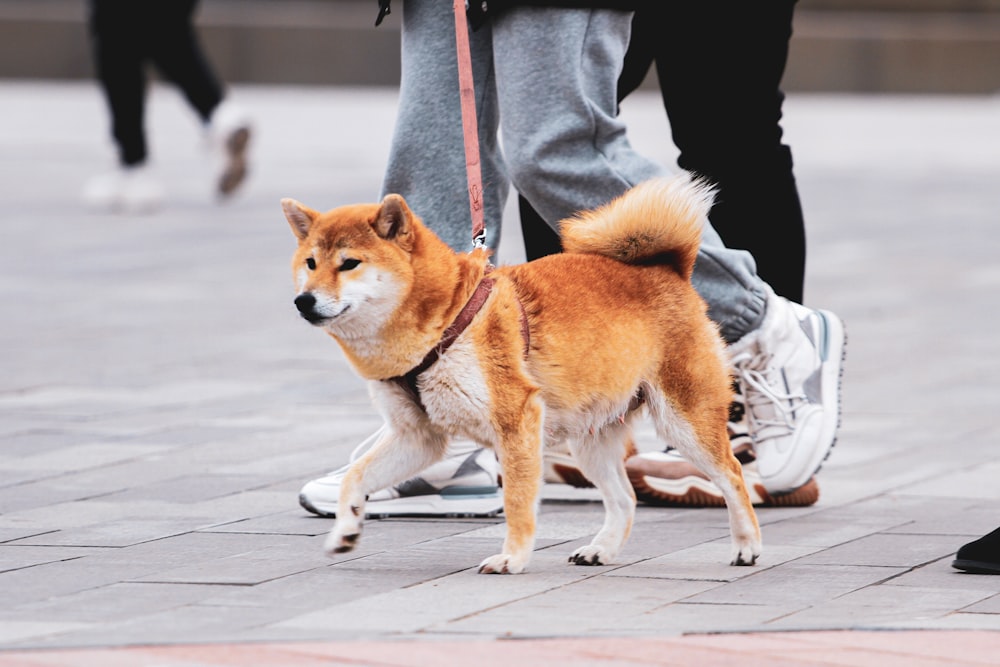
<point>611,318</point>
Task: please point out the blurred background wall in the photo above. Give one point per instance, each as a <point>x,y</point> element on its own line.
<point>870,46</point>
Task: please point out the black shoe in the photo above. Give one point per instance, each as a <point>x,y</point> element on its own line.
<point>981,556</point>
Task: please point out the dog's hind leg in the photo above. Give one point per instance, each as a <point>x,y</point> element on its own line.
<point>699,434</point>
<point>391,460</point>
<point>601,460</point>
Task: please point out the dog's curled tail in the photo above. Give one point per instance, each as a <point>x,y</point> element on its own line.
<point>658,221</point>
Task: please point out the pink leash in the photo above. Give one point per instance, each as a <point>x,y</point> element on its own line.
<point>467,93</point>
<point>474,176</point>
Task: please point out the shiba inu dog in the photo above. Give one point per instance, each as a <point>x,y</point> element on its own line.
<point>565,348</point>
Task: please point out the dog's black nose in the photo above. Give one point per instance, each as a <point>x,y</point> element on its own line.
<point>306,302</point>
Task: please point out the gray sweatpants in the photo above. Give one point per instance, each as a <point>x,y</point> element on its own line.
<point>547,79</point>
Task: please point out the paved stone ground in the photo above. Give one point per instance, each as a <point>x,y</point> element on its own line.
<point>161,404</point>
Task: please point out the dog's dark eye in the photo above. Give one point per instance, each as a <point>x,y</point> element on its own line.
<point>311,263</point>
<point>349,264</point>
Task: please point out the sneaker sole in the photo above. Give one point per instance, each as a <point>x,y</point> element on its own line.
<point>976,566</point>
<point>475,503</point>
<point>698,492</point>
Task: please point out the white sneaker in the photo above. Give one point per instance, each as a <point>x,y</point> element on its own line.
<point>125,190</point>
<point>230,130</point>
<point>463,484</point>
<point>667,479</point>
<point>559,466</point>
<point>790,372</point>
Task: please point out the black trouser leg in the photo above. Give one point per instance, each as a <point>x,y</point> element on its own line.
<point>177,53</point>
<point>118,61</point>
<point>720,65</point>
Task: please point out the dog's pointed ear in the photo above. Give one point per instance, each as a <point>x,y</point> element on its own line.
<point>394,221</point>
<point>300,217</point>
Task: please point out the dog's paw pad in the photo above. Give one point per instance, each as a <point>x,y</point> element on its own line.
<point>744,556</point>
<point>500,564</point>
<point>589,555</point>
<point>346,545</point>
<point>338,543</point>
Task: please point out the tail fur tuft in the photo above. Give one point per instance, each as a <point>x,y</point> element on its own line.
<point>658,221</point>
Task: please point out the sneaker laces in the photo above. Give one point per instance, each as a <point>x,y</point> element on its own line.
<point>771,411</point>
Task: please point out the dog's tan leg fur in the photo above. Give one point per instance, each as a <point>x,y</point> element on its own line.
<point>520,457</point>
<point>390,461</point>
<point>725,471</point>
<point>602,461</point>
<point>696,428</point>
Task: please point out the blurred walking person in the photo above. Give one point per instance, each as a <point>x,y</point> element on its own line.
<point>128,36</point>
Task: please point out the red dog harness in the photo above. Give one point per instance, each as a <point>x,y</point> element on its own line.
<point>408,382</point>
<point>473,173</point>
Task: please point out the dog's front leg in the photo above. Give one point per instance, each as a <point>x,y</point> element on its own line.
<point>520,457</point>
<point>391,460</point>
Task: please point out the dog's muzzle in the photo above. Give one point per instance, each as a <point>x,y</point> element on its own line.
<point>306,303</point>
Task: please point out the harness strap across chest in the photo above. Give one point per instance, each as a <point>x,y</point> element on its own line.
<point>465,316</point>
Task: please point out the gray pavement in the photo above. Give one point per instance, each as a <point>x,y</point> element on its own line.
<point>161,403</point>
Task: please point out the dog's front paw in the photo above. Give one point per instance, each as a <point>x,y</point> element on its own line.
<point>501,564</point>
<point>590,555</point>
<point>342,538</point>
<point>745,553</point>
